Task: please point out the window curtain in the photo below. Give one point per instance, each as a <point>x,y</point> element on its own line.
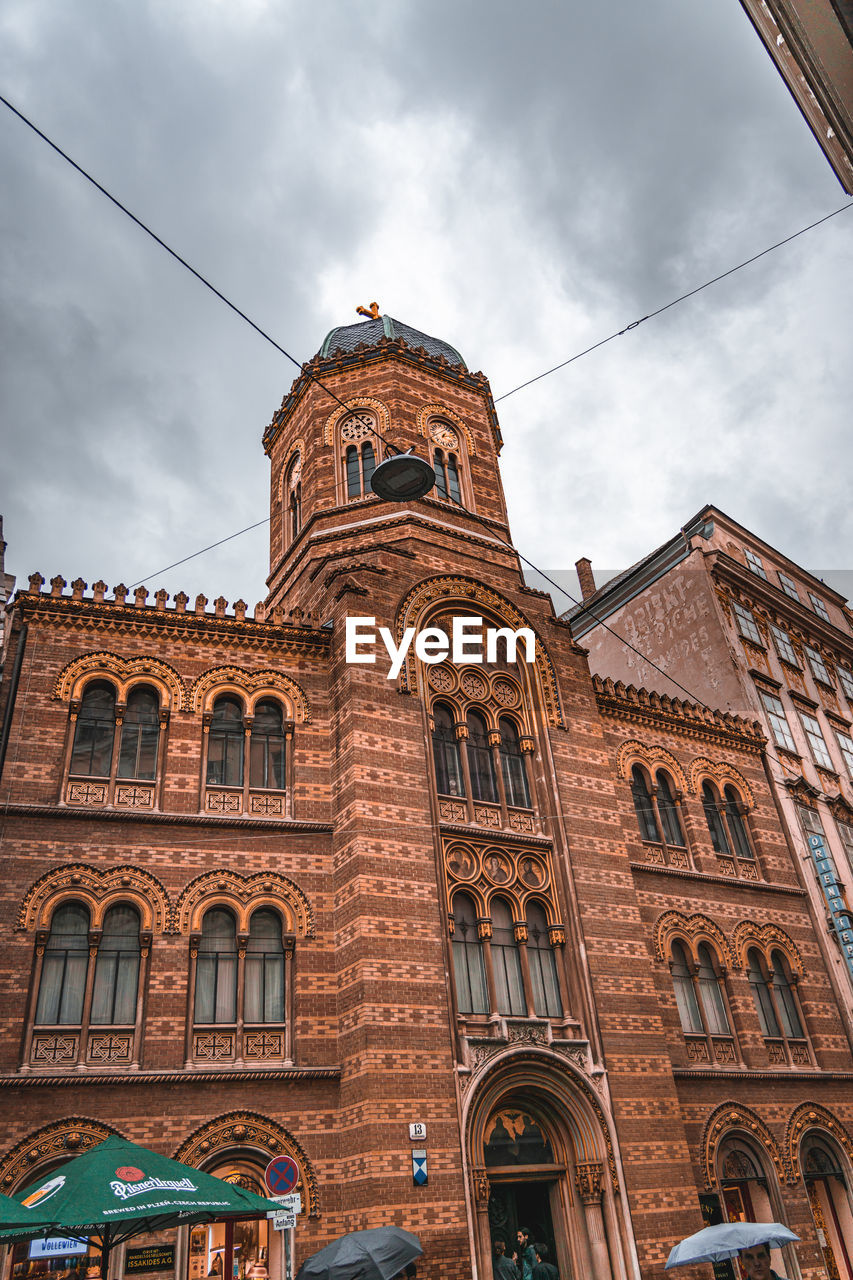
<point>543,965</point>
<point>216,969</point>
<point>117,968</point>
<point>264,980</point>
<point>468,967</point>
<point>512,766</point>
<point>509,988</point>
<point>64,968</point>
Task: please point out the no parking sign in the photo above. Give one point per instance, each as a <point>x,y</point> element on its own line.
<point>281,1175</point>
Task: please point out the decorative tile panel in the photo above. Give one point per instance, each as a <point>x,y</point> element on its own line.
<point>88,793</point>
<point>451,811</point>
<point>134,797</point>
<point>269,806</point>
<point>110,1047</point>
<point>487,817</point>
<point>520,821</point>
<point>53,1049</point>
<point>213,1046</point>
<point>697,1050</point>
<point>223,801</point>
<point>263,1044</point>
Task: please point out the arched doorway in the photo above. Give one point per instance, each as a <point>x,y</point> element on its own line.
<point>540,1159</point>
<point>232,1250</point>
<point>829,1200</point>
<point>749,1192</point>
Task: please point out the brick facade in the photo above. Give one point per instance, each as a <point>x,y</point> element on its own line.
<point>473,935</point>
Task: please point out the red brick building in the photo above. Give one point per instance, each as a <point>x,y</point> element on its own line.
<point>456,940</point>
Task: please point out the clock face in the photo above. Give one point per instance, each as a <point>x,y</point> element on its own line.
<point>444,435</point>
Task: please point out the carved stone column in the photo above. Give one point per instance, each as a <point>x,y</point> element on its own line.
<point>588,1179</point>
<point>482,1190</point>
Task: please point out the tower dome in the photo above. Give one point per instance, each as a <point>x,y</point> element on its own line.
<point>345,338</point>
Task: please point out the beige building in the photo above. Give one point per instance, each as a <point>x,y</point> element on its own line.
<point>811,42</point>
<point>721,617</point>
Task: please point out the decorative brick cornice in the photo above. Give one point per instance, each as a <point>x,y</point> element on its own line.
<point>75,1078</point>
<point>316,369</point>
<point>627,702</point>
<point>283,825</point>
<point>759,885</point>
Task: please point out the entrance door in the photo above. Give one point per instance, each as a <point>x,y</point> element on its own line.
<point>522,1204</point>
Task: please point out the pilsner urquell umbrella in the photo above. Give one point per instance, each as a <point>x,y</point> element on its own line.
<point>376,1254</point>
<point>726,1239</point>
<point>14,1214</point>
<point>118,1190</point>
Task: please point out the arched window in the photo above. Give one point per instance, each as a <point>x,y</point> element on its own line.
<point>468,967</point>
<point>761,994</point>
<point>785,1000</point>
<point>446,467</point>
<point>216,969</point>
<point>292,498</point>
<point>264,980</point>
<point>643,804</point>
<point>685,994</point>
<point>509,987</point>
<point>512,766</point>
<point>543,965</point>
<point>737,823</point>
<point>225,746</point>
<point>94,733</point>
<point>140,735</point>
<point>668,812</point>
<point>445,753</point>
<point>64,968</point>
<point>480,761</point>
<point>710,994</point>
<point>117,968</point>
<point>267,747</point>
<point>716,826</point>
<point>358,454</point>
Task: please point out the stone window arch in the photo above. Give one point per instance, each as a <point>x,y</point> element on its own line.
<point>247,755</point>
<point>657,805</point>
<point>702,1001</point>
<point>773,984</point>
<point>241,980</point>
<point>86,1000</point>
<point>359,454</point>
<point>450,445</point>
<point>115,750</point>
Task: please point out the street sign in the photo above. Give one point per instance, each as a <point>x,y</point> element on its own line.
<point>289,1204</point>
<point>281,1175</point>
<point>283,1221</point>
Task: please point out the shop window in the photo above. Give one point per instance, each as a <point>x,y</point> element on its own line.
<point>830,1203</point>
<point>512,766</point>
<point>445,753</point>
<point>468,965</point>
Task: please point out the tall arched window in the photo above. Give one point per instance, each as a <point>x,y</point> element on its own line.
<point>446,467</point>
<point>643,804</point>
<point>761,994</point>
<point>685,993</point>
<point>668,812</point>
<point>264,980</point>
<point>94,733</point>
<point>117,968</point>
<point>480,761</point>
<point>216,969</point>
<point>543,965</point>
<point>445,753</point>
<point>140,735</point>
<point>468,967</point>
<point>710,993</point>
<point>512,766</point>
<point>737,824</point>
<point>509,987</point>
<point>225,747</point>
<point>785,1000</point>
<point>292,498</point>
<point>716,826</point>
<point>358,454</point>
<point>64,968</point>
<point>267,747</point>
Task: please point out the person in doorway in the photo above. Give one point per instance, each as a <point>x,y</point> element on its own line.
<point>756,1263</point>
<point>503,1267</point>
<point>544,1270</point>
<point>525,1257</point>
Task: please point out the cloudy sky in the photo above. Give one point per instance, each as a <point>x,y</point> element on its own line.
<point>520,179</point>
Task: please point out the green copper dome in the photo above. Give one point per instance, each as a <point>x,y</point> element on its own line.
<point>347,337</point>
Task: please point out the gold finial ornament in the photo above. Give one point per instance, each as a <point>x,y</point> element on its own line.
<point>372,313</point>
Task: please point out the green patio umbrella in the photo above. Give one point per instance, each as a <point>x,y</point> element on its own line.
<point>14,1214</point>
<point>118,1190</point>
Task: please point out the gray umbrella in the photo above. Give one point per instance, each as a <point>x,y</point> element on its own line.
<point>377,1254</point>
<point>726,1239</point>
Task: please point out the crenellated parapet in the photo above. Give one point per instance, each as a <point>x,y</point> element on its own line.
<point>628,702</point>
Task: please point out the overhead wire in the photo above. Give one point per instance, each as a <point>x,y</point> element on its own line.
<point>283,351</point>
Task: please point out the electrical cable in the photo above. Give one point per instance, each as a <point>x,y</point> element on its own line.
<point>210,547</point>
